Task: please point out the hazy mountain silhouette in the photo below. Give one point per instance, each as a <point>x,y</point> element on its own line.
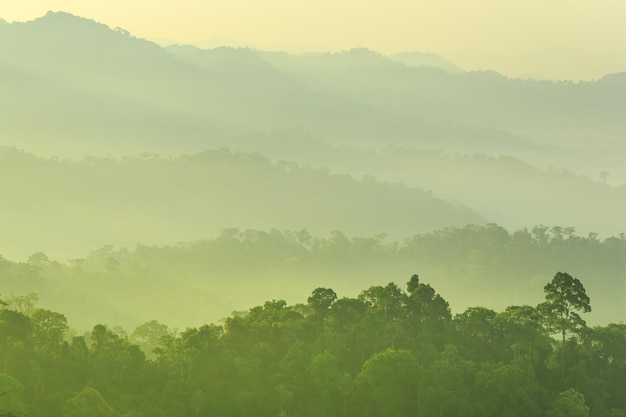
<point>153,200</point>
<point>562,114</point>
<point>423,59</point>
<point>409,143</point>
<point>205,280</point>
<point>72,86</point>
<point>96,78</point>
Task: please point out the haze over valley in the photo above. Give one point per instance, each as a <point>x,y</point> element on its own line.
<point>163,191</point>
<point>129,134</point>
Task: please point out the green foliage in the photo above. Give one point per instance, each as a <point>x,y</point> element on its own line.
<point>565,296</point>
<point>88,403</point>
<point>387,353</point>
<point>11,393</point>
<point>279,264</point>
<point>390,380</point>
<point>570,403</point>
<point>321,299</point>
<point>148,336</point>
<point>508,390</point>
<point>444,387</point>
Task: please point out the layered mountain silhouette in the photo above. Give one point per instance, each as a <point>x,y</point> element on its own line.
<point>358,96</point>
<point>114,142</point>
<point>155,200</point>
<point>422,59</point>
<point>73,87</point>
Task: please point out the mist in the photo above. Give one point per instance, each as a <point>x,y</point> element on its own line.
<point>246,231</point>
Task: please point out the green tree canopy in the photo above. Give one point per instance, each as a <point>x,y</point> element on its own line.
<point>570,403</point>
<point>565,296</point>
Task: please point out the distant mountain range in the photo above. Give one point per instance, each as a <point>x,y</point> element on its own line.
<point>422,59</point>
<point>73,87</point>
<point>80,82</point>
<point>154,200</point>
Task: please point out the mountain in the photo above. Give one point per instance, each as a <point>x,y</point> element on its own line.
<point>422,59</point>
<point>73,87</point>
<point>60,206</point>
<point>501,188</point>
<point>97,85</point>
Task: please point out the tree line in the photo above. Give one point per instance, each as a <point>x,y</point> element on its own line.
<point>389,352</point>
<point>473,265</point>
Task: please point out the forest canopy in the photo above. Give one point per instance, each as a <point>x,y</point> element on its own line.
<point>388,352</point>
<point>192,232</point>
<point>190,283</point>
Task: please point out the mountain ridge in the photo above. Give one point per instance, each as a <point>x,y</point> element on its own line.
<point>345,111</point>
<point>158,200</point>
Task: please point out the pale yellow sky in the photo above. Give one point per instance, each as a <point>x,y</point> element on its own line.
<point>562,39</point>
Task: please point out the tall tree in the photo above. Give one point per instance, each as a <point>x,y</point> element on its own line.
<point>89,402</point>
<point>570,403</point>
<point>565,296</point>
<point>10,395</point>
<point>428,317</point>
<point>321,299</point>
<point>388,384</point>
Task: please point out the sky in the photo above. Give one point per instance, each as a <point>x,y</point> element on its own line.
<point>556,39</point>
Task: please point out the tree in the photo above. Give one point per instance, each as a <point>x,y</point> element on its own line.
<point>507,390</point>
<point>15,343</point>
<point>148,336</point>
<point>115,365</point>
<point>326,381</point>
<point>570,403</point>
<point>388,383</point>
<point>321,299</point>
<point>424,303</point>
<point>24,304</point>
<point>479,337</point>
<point>348,338</point>
<point>444,386</point>
<point>49,329</point>
<point>565,296</point>
<point>386,311</point>
<point>10,395</point>
<point>523,333</point>
<point>428,316</point>
<point>88,403</point>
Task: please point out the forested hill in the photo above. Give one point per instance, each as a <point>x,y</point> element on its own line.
<point>156,200</point>
<point>197,282</point>
<point>501,188</point>
<point>388,352</point>
<point>72,205</point>
<point>74,85</point>
<point>310,187</point>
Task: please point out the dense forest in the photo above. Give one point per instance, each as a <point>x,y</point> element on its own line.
<point>152,199</point>
<point>387,352</point>
<point>159,200</point>
<point>152,194</point>
<point>192,282</point>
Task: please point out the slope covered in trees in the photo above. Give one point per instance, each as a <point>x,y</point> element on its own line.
<point>189,283</point>
<point>72,81</point>
<point>387,352</point>
<point>153,200</point>
<point>501,188</point>
<point>74,87</point>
